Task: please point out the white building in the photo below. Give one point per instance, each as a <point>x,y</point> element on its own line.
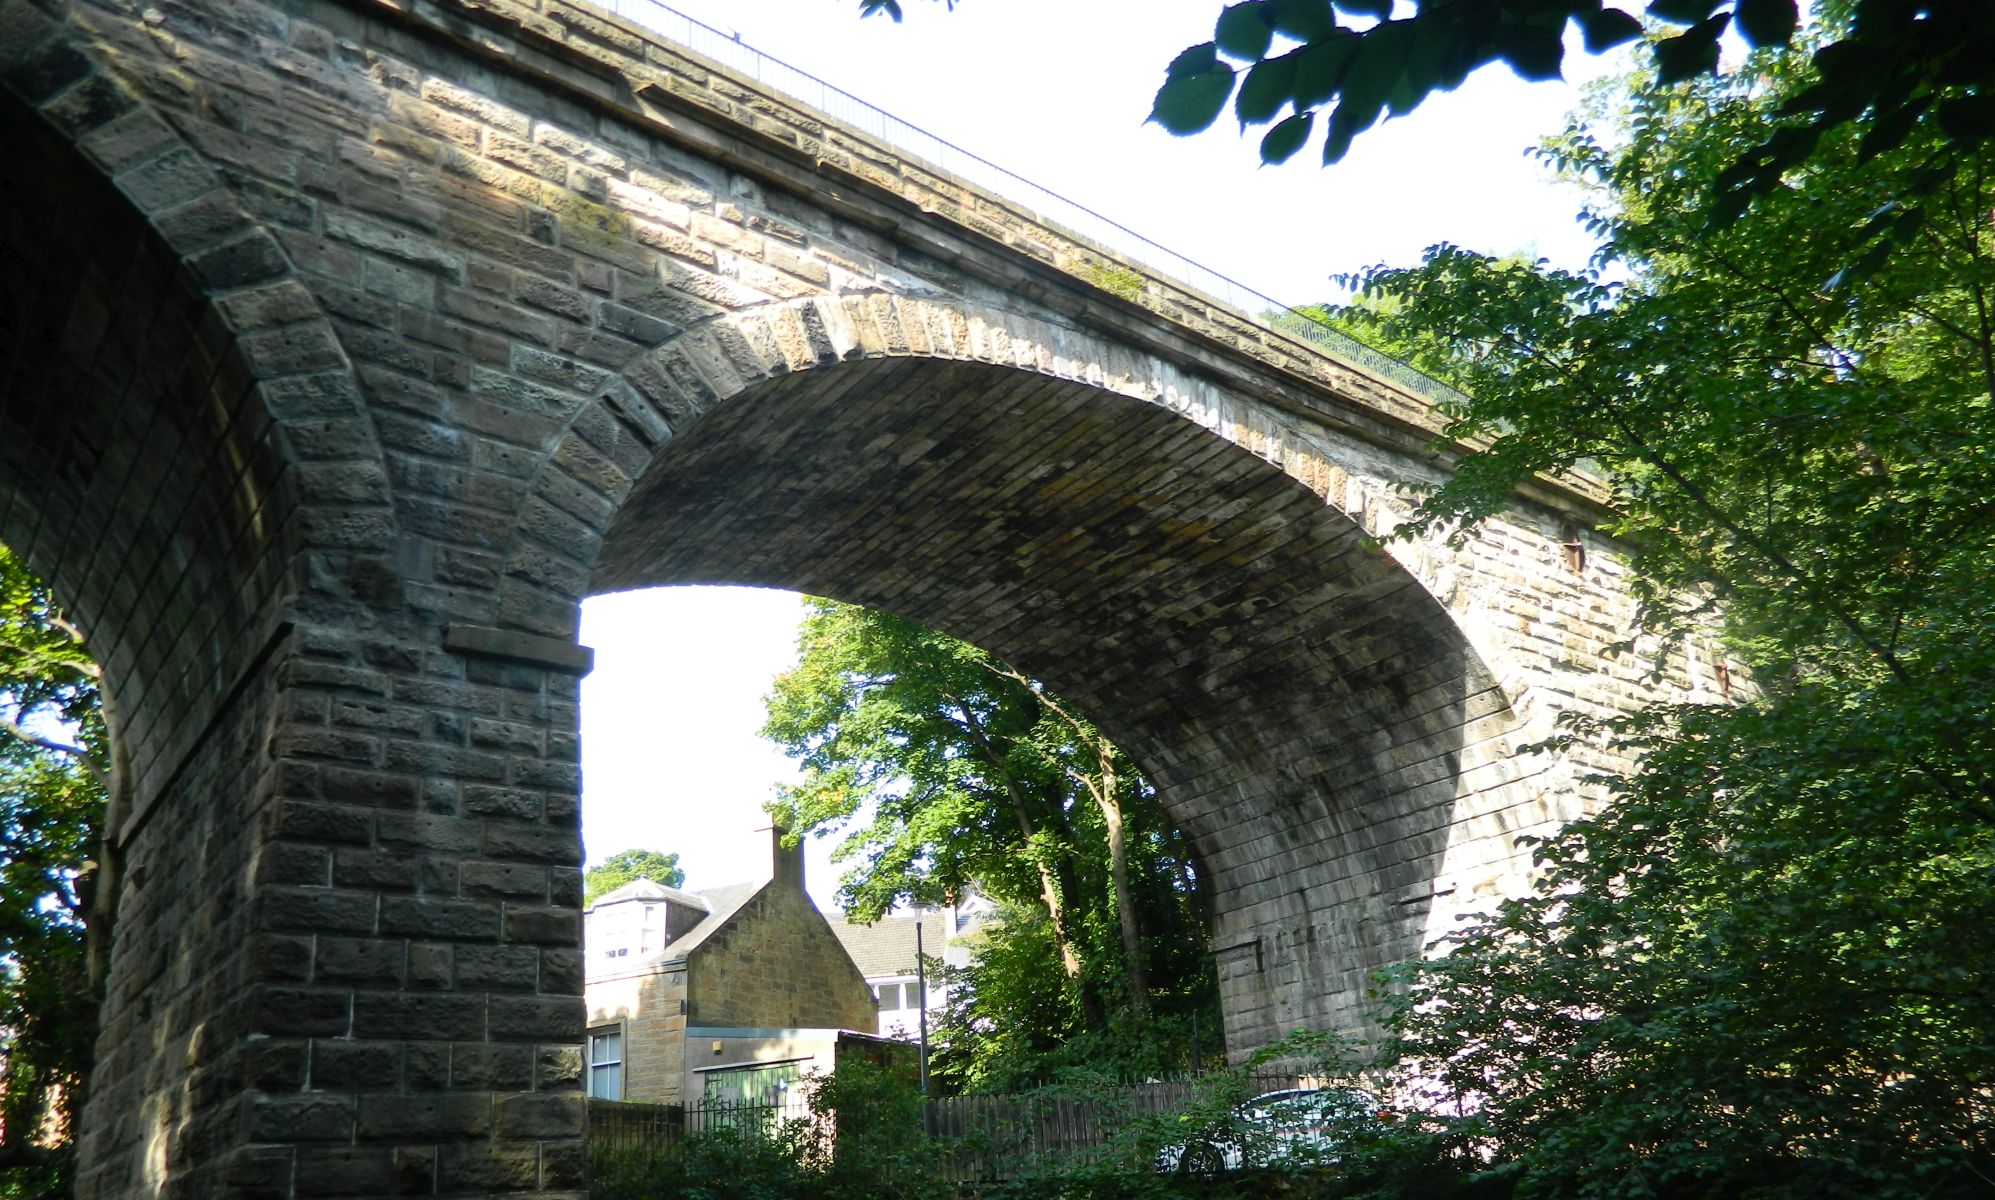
<point>885,954</point>
<point>639,919</point>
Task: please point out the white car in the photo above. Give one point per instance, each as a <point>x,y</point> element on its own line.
<point>1296,1126</point>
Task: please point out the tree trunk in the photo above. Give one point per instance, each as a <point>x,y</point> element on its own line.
<point>1093,1011</point>
<point>1049,889</point>
<point>1118,869</point>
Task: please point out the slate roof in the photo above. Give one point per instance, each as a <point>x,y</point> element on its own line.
<point>721,904</point>
<point>718,903</point>
<point>645,889</point>
<point>886,947</point>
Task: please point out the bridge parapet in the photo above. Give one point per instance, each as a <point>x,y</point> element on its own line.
<point>999,226</point>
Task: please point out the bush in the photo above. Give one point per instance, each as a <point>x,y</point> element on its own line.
<point>876,1151</point>
<point>864,1140</point>
<point>1375,1159</point>
<point>724,1164</point>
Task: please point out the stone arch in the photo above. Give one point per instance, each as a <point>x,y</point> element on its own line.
<point>178,424</point>
<point>1200,577</point>
<point>593,464</point>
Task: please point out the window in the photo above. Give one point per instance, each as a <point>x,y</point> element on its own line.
<point>606,1063</point>
<point>905,994</point>
<point>757,1086</point>
<point>749,1097</point>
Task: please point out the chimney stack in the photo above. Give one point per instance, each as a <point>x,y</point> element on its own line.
<point>786,865</point>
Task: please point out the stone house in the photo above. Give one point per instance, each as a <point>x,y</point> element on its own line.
<point>725,992</point>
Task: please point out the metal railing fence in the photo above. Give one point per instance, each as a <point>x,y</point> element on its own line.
<point>994,1138</point>
<point>624,1125</point>
<point>985,1138</point>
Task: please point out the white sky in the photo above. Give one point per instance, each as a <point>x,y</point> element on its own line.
<point>1056,91</point>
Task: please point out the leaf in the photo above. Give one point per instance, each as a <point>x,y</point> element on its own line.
<point>1888,130</point>
<point>1196,86</point>
<point>1320,69</point>
<point>1265,89</point>
<point>1187,104</point>
<point>1766,22</point>
<point>1371,77</point>
<point>1242,30</point>
<point>1193,60</point>
<point>1607,28</point>
<point>1968,118</point>
<point>1337,142</point>
<point>1681,12</point>
<point>1304,20</point>
<point>1377,9</point>
<point>1354,114</point>
<point>1864,267</point>
<point>1691,53</point>
<point>1533,50</point>
<point>1286,138</point>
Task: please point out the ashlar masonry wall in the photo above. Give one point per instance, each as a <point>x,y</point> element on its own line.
<point>648,1007</point>
<point>776,965</point>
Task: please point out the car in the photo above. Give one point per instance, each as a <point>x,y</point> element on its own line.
<point>1293,1126</point>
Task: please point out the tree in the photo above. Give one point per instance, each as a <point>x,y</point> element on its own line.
<point>970,775</point>
<point>52,776</point>
<point>1764,969</point>
<point>1906,72</point>
<point>628,866</point>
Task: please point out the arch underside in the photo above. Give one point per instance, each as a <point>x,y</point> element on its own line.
<point>1300,701</point>
<point>138,471</point>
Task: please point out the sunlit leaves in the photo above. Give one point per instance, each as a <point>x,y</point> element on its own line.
<point>628,866</point>
<point>51,803</point>
<point>1784,919</point>
<point>945,772</point>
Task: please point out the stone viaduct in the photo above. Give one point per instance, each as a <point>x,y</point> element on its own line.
<point>346,345</point>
